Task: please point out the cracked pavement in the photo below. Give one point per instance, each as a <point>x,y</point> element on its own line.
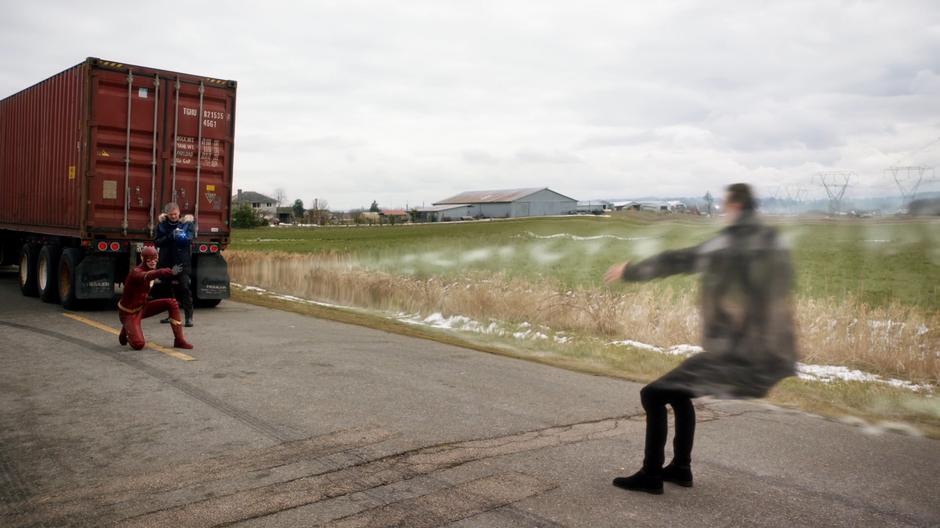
<point>285,420</point>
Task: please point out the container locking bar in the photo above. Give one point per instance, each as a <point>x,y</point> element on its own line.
<point>127,150</point>
<point>202,92</point>
<point>176,128</point>
<point>153,158</point>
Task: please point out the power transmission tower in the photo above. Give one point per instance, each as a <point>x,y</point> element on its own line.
<point>835,183</point>
<point>709,200</point>
<point>795,196</point>
<point>909,180</point>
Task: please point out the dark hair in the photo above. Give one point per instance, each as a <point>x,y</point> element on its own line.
<point>740,193</point>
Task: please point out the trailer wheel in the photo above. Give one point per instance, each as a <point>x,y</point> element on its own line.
<point>47,273</point>
<point>67,266</point>
<point>28,257</point>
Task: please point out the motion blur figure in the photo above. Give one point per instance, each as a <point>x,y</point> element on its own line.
<point>748,337</point>
<point>134,305</point>
<point>175,240</point>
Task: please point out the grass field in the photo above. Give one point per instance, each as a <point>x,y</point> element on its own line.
<point>867,295</point>
<point>875,262</point>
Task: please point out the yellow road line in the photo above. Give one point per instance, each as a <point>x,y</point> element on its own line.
<point>153,346</point>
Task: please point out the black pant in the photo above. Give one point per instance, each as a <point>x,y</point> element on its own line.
<point>179,286</point>
<point>654,401</point>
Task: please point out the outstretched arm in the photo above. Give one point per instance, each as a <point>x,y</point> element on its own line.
<point>158,274</point>
<point>666,263</point>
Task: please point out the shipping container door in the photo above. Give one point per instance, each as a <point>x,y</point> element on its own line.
<point>199,132</point>
<point>124,132</point>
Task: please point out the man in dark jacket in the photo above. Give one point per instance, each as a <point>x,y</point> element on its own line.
<point>748,340</point>
<point>175,242</point>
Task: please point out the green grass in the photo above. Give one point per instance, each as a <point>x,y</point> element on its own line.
<point>876,261</point>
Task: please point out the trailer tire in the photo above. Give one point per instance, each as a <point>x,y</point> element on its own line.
<point>28,257</point>
<point>66,283</point>
<point>47,273</point>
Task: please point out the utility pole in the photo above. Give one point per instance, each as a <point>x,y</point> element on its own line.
<point>795,197</point>
<point>709,200</point>
<point>909,180</point>
<point>835,183</point>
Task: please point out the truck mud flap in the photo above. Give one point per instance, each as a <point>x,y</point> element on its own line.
<point>95,277</point>
<point>212,281</point>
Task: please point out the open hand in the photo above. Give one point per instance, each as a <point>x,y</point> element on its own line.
<point>615,272</point>
<point>177,269</point>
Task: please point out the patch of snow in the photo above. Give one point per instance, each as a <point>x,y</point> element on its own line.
<point>684,350</point>
<point>830,373</point>
<point>637,344</point>
<point>675,350</point>
<point>569,236</point>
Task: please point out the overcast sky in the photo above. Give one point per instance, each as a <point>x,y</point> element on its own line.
<point>409,102</point>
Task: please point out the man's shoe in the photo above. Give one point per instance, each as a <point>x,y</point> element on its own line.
<point>122,337</point>
<point>189,322</point>
<point>679,475</point>
<point>181,343</point>
<point>641,481</point>
<point>165,320</point>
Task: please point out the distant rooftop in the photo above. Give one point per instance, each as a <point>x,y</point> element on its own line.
<point>252,197</point>
<point>496,196</point>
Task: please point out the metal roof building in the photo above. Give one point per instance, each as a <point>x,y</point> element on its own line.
<point>506,203</point>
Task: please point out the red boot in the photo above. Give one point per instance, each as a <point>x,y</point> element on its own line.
<point>179,340</point>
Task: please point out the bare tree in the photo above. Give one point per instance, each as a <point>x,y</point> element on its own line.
<point>279,196</point>
<point>320,213</point>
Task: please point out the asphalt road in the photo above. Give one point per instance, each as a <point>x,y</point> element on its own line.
<point>286,420</point>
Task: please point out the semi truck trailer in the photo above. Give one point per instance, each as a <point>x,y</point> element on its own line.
<point>88,158</point>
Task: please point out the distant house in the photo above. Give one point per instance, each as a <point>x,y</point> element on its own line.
<point>626,205</point>
<point>505,203</point>
<point>266,205</point>
<point>658,206</point>
<point>285,215</point>
<point>394,216</point>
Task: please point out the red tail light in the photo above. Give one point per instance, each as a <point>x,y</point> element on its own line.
<point>102,246</point>
<point>115,246</point>
<point>213,249</point>
<point>203,248</point>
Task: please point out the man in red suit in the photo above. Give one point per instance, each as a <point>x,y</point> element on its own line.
<point>134,305</point>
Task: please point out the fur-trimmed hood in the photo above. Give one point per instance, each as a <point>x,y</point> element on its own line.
<point>185,219</point>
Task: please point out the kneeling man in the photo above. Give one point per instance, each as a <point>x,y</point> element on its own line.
<point>134,305</point>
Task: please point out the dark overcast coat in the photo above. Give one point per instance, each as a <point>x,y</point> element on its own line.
<point>746,308</point>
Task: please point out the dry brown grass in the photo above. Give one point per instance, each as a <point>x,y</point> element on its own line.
<point>889,341</point>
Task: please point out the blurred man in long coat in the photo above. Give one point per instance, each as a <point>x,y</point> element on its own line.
<point>748,340</point>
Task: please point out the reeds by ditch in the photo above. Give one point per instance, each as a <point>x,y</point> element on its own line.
<point>895,340</point>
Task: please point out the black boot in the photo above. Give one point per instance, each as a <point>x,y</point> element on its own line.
<point>641,481</point>
<point>677,474</point>
<point>165,320</point>
<point>189,318</point>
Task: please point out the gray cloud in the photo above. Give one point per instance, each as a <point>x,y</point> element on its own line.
<point>411,102</point>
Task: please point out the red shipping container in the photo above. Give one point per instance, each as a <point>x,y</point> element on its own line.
<point>94,152</point>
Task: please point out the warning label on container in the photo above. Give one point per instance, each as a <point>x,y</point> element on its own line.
<point>109,190</point>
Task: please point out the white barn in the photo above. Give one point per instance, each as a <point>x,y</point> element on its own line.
<point>505,203</point>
